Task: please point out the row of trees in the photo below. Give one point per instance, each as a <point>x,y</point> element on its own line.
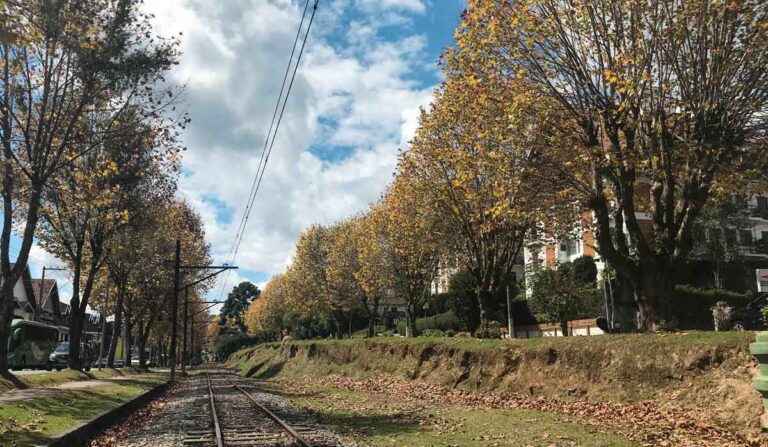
<point>90,158</point>
<point>550,111</point>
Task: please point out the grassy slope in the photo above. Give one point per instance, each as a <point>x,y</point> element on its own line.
<point>705,370</point>
<point>35,421</point>
<point>58,377</point>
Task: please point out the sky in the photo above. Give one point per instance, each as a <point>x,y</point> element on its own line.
<point>368,67</point>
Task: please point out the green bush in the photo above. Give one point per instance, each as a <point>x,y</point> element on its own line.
<point>229,344</point>
<point>443,322</point>
<point>690,307</point>
<point>493,330</point>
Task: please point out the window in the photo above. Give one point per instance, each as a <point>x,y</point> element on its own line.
<point>37,333</point>
<point>746,237</point>
<point>763,286</point>
<point>16,340</point>
<point>762,207</point>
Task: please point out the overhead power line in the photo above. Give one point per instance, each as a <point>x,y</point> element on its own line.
<point>274,126</point>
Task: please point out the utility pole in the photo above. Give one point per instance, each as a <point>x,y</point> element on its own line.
<point>39,306</point>
<point>184,348</point>
<point>174,322</point>
<point>510,322</point>
<point>177,267</point>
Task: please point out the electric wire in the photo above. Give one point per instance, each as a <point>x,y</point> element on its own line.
<point>269,145</point>
<point>246,211</point>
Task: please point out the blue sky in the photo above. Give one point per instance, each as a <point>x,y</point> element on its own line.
<point>368,67</point>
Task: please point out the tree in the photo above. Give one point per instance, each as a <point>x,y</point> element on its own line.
<point>237,302</point>
<point>463,300</point>
<point>482,159</point>
<point>670,101</point>
<point>411,241</point>
<point>585,270</point>
<point>314,294</point>
<point>715,234</point>
<point>85,206</point>
<point>61,64</point>
<point>265,316</point>
<point>355,266</point>
<point>559,296</point>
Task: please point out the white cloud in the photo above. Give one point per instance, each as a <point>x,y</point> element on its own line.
<point>354,93</point>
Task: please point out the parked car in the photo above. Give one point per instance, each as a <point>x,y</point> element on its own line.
<point>59,358</point>
<point>750,317</point>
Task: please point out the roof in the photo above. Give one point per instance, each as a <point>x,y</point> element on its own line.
<point>26,280</point>
<point>49,290</point>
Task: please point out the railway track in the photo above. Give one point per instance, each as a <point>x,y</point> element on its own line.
<point>236,414</point>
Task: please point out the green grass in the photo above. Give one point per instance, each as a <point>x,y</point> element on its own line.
<point>688,338</point>
<point>35,421</point>
<point>59,377</point>
<point>386,421</point>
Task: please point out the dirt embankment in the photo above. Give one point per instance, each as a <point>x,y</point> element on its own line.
<point>706,371</point>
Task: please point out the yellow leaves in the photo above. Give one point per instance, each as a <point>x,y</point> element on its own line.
<point>610,76</point>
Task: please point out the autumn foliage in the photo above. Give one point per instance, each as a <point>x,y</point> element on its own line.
<point>551,111</point>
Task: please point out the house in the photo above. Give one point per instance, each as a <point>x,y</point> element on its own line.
<point>37,301</point>
<point>749,238</point>
<point>46,293</point>
<point>392,310</point>
<point>757,242</point>
<point>24,304</point>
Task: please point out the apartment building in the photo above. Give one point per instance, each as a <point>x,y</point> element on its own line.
<point>748,238</point>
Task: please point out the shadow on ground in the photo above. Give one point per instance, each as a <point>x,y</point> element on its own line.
<point>34,421</point>
<point>15,381</point>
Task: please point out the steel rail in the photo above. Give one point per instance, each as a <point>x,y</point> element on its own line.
<point>273,416</point>
<point>217,427</point>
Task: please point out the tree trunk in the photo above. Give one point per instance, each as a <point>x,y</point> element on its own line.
<point>338,327</point>
<point>483,298</point>
<point>116,328</point>
<point>142,355</point>
<point>410,323</point>
<point>143,337</point>
<point>6,317</point>
<point>76,320</point>
<point>371,327</point>
<point>564,328</point>
<point>10,276</point>
<point>128,341</point>
<point>624,306</point>
<point>652,295</point>
<point>75,334</point>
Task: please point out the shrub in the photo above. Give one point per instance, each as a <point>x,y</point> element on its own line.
<point>585,269</point>
<point>463,300</point>
<point>560,296</point>
<point>691,307</point>
<point>442,322</point>
<point>230,344</point>
<point>493,330</point>
<point>433,333</point>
